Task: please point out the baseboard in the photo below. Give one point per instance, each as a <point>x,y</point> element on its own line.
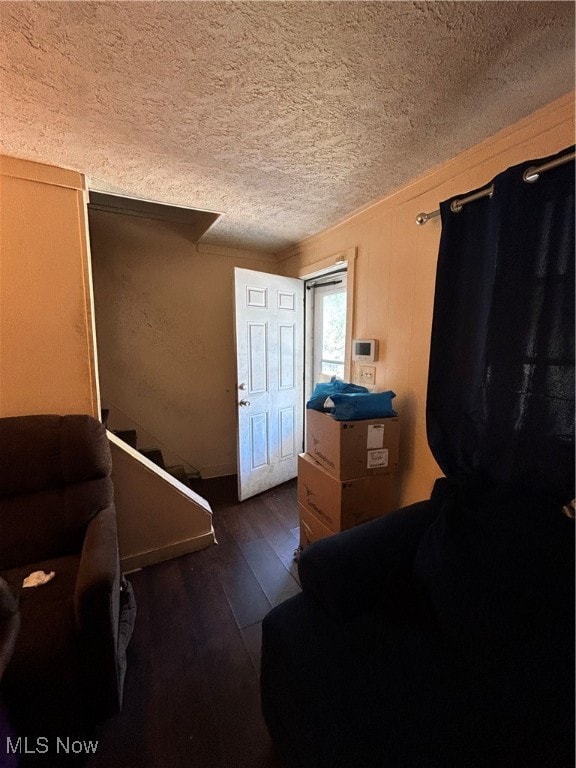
<point>176,549</point>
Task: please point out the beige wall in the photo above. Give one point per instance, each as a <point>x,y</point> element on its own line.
<point>396,265</point>
<point>164,319</point>
<point>46,335</point>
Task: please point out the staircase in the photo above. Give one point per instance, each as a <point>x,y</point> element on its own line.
<point>130,436</point>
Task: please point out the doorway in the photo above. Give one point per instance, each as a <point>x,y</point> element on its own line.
<point>282,352</point>
<point>269,323</point>
<point>328,315</point>
<point>326,328</point>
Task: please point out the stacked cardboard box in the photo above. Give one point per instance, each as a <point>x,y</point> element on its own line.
<point>347,475</point>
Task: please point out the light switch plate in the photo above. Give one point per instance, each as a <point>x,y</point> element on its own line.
<point>367,375</point>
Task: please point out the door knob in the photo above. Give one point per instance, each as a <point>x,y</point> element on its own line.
<point>244,402</point>
<point>242,386</point>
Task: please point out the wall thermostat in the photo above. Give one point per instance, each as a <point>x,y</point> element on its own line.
<point>365,350</point>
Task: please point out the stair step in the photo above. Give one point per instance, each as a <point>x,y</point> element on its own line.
<point>178,471</point>
<point>155,455</point>
<point>128,435</point>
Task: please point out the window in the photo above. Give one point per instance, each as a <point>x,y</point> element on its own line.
<point>329,327</point>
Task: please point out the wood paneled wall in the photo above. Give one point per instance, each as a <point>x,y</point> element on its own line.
<point>395,270</point>
<point>47,359</point>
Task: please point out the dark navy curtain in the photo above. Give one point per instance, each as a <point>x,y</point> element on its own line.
<point>500,400</point>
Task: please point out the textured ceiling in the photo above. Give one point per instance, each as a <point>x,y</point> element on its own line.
<point>285,116</point>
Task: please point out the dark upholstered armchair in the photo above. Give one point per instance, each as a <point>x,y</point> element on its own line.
<point>438,636</point>
<point>57,514</point>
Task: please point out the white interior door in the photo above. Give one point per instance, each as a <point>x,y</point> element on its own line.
<point>270,365</point>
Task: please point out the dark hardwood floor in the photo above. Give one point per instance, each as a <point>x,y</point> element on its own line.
<point>192,696</point>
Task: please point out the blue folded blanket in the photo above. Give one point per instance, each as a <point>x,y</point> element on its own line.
<point>355,406</point>
<point>330,388</point>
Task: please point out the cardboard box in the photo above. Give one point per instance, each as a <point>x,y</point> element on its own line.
<point>350,449</point>
<point>311,529</point>
<point>342,504</point>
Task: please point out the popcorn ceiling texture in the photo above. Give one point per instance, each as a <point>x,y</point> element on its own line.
<point>285,116</point>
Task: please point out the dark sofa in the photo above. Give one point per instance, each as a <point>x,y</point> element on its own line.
<point>57,514</point>
<point>430,638</point>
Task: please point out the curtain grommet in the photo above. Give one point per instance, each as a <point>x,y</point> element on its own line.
<point>531,175</point>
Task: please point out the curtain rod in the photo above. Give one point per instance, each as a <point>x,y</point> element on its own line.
<point>530,175</point>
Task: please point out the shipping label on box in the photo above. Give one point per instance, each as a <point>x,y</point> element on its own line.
<point>377,458</point>
<point>375,437</point>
